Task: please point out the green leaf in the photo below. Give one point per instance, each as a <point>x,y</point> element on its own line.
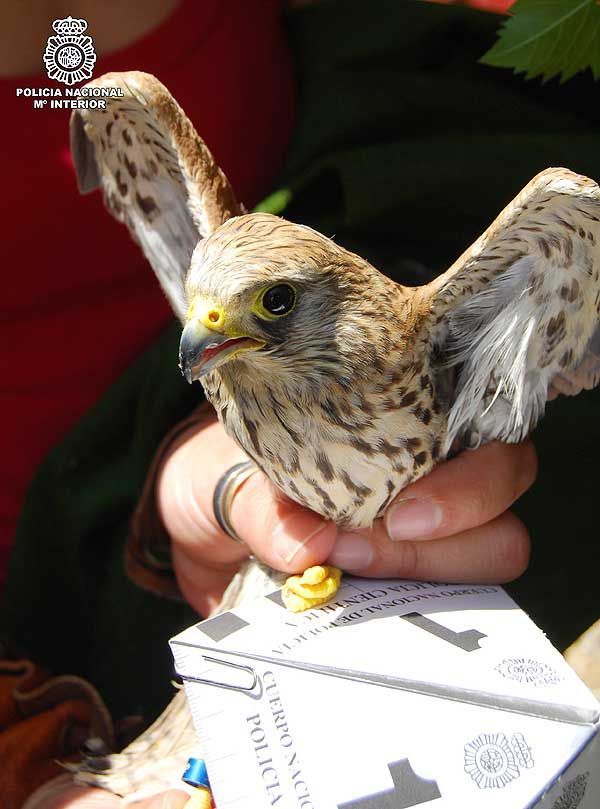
<point>275,203</point>
<point>549,38</point>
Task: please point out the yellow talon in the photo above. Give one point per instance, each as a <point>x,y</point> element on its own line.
<point>314,587</point>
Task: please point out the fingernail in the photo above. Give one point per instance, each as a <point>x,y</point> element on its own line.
<point>286,547</point>
<point>352,552</point>
<point>412,518</point>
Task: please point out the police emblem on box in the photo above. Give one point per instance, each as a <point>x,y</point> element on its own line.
<point>572,793</point>
<point>70,56</point>
<point>493,762</point>
<point>528,671</point>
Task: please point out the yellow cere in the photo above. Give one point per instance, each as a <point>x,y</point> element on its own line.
<point>314,587</point>
<point>207,312</point>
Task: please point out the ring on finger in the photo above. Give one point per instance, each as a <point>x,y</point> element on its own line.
<point>225,490</point>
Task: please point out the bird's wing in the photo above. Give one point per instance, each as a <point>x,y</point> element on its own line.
<point>156,173</point>
<point>516,318</point>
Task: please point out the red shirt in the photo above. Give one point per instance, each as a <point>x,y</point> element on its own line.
<point>79,302</point>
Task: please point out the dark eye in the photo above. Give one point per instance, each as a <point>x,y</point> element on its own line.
<point>279,300</point>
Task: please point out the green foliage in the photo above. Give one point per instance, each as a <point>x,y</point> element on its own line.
<point>276,202</point>
<point>549,38</point>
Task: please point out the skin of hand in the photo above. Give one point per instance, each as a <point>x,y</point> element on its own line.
<point>62,793</point>
<point>452,525</point>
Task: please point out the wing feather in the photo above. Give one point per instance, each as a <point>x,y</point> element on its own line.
<point>156,174</point>
<point>518,315</point>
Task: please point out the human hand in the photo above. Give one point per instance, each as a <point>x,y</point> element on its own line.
<point>63,793</point>
<point>470,536</point>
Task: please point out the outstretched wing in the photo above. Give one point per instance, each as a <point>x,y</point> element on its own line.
<point>517,316</point>
<point>156,173</point>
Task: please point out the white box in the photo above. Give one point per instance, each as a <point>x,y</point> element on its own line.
<point>397,694</point>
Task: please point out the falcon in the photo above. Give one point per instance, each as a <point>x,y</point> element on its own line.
<point>342,385</point>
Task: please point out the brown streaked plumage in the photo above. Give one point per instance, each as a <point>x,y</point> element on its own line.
<point>364,385</point>
<point>338,425</point>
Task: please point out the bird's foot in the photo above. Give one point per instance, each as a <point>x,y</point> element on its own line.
<point>314,587</point>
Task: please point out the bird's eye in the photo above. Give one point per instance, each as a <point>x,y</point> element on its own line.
<point>279,300</point>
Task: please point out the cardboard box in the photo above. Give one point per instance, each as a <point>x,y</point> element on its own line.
<point>397,694</point>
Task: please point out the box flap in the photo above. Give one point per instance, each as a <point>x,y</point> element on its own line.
<point>463,642</point>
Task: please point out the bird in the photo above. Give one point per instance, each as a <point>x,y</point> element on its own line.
<point>342,385</point>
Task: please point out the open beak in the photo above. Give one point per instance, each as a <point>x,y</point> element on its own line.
<point>202,350</point>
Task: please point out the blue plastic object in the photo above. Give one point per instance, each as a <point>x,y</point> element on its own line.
<point>196,774</point>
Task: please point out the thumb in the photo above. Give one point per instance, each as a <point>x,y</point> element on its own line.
<point>285,535</point>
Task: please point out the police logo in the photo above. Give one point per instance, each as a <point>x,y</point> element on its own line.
<point>572,793</point>
<point>70,56</point>
<point>493,762</point>
<point>528,671</point>
<point>522,751</point>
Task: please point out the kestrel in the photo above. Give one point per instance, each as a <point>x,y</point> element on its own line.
<point>342,385</point>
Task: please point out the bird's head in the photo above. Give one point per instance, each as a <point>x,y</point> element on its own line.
<point>261,288</point>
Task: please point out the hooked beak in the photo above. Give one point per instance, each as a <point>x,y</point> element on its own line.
<point>202,350</point>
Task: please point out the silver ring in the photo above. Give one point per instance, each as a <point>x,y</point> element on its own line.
<point>227,485</point>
